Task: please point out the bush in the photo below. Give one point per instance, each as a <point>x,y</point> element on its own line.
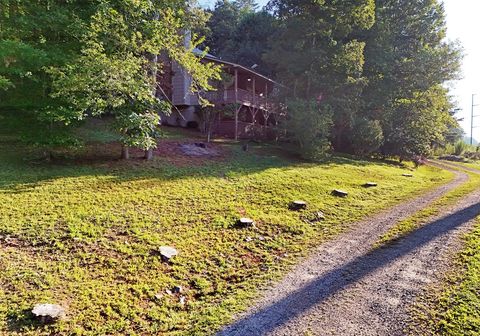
<point>309,126</point>
<point>460,147</point>
<point>367,136</point>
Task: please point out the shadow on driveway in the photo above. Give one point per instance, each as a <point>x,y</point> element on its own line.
<point>279,313</point>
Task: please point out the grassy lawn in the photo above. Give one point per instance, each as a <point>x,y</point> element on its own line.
<point>86,236</point>
<point>411,223</point>
<point>454,309</point>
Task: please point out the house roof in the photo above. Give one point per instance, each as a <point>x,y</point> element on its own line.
<point>210,57</point>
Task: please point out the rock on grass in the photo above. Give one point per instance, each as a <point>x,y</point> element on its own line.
<point>48,312</point>
<point>167,252</point>
<point>339,193</point>
<point>245,222</point>
<point>298,205</point>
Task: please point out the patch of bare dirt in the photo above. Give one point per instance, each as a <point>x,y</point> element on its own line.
<point>186,152</point>
<point>190,152</point>
<point>346,287</point>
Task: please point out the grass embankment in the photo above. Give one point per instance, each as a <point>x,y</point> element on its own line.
<point>86,236</point>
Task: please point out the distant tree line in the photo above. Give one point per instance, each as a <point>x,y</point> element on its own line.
<point>365,77</point>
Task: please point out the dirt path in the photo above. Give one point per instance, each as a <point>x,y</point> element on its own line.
<point>455,166</point>
<point>347,288</point>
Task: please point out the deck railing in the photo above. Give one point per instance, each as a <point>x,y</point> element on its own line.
<point>243,97</point>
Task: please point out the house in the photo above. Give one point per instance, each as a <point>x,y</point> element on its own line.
<point>245,101</point>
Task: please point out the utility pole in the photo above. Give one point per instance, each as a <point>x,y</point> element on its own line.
<point>473,116</point>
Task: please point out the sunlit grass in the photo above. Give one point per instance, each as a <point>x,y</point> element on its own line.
<point>86,236</point>
<point>423,216</point>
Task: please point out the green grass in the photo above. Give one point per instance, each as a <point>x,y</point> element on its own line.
<point>423,216</point>
<point>474,164</point>
<point>86,236</point>
<point>459,312</point>
<point>453,308</point>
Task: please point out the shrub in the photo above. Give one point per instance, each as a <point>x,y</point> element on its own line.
<point>367,136</point>
<point>460,147</point>
<point>309,126</point>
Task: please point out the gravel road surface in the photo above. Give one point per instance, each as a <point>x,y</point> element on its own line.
<point>347,287</point>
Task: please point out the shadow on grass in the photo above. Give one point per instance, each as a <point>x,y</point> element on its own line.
<point>318,290</point>
<point>19,175</point>
<point>25,320</point>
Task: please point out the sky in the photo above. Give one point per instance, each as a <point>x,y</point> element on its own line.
<point>463,25</point>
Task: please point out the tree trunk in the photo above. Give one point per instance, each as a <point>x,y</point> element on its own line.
<point>149,154</point>
<point>125,153</point>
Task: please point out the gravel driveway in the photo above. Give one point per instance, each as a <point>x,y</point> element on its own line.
<point>346,287</point>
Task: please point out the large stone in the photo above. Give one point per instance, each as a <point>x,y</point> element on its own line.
<point>339,193</point>
<point>298,205</point>
<point>49,312</point>
<point>167,252</point>
<point>370,184</point>
<point>245,222</point>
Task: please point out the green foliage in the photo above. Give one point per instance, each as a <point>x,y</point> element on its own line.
<point>309,124</point>
<point>139,129</point>
<point>322,58</point>
<point>460,147</point>
<point>416,124</point>
<point>367,136</point>
<point>238,33</point>
<point>86,236</point>
<point>117,71</point>
<point>407,62</point>
<point>33,36</point>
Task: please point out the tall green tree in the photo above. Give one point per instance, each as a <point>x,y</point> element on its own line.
<point>237,32</point>
<point>118,70</point>
<point>318,54</point>
<point>248,44</point>
<point>35,35</point>
<point>407,61</point>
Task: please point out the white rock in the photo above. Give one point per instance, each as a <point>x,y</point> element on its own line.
<point>246,222</point>
<point>298,205</point>
<point>167,252</point>
<point>52,311</point>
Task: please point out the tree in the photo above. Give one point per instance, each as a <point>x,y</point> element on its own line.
<point>417,124</point>
<point>222,26</point>
<point>319,56</point>
<point>367,136</point>
<point>248,45</point>
<point>35,35</point>
<point>407,62</point>
<point>117,72</point>
<point>309,127</point>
